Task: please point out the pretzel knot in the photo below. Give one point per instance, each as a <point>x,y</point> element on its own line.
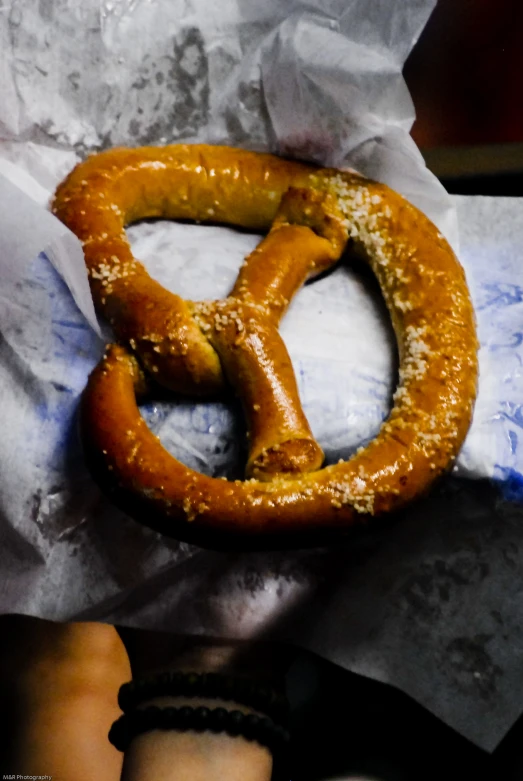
<point>204,348</point>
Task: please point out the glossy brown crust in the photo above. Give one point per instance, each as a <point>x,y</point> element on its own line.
<point>201,347</point>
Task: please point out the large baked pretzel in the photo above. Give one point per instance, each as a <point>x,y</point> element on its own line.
<point>202,348</point>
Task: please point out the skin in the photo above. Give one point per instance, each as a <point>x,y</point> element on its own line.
<point>60,684</point>
<point>191,756</point>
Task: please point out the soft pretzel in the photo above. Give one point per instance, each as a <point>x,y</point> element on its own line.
<point>200,349</point>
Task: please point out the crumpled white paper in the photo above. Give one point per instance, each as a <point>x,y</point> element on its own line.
<point>320,80</point>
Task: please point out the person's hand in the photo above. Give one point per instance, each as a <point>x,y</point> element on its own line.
<point>59,684</point>
<point>191,756</point>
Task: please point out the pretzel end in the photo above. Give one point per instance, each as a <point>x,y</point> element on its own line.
<point>290,459</point>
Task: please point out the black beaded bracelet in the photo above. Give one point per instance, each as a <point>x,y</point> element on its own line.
<point>243,691</point>
<point>235,723</point>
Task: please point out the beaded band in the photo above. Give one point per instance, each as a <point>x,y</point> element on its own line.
<point>243,691</point>
<point>250,726</point>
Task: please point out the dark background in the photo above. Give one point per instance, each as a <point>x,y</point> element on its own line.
<point>465,76</point>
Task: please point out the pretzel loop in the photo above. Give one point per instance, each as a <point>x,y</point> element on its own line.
<point>202,348</point>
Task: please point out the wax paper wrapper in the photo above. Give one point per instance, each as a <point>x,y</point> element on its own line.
<point>431,606</point>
